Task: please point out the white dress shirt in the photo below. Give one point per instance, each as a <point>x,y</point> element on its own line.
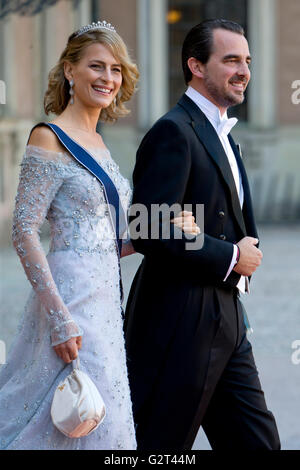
<point>222,126</point>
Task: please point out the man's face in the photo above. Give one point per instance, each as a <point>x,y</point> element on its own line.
<point>226,74</point>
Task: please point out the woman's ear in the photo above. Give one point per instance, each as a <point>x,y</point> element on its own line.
<point>196,67</point>
<point>68,70</point>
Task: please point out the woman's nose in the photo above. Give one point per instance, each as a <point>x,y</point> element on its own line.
<point>106,74</point>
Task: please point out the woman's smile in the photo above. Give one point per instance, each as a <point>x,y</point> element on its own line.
<point>102,90</point>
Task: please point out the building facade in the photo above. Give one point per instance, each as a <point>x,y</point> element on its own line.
<point>269,120</point>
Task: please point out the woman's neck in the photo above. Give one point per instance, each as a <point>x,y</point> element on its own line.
<point>74,118</point>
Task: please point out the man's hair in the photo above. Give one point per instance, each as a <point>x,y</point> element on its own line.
<point>199,42</point>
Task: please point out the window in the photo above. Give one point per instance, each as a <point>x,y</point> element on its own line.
<point>182,16</point>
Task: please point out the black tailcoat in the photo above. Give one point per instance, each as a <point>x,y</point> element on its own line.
<point>178,301</point>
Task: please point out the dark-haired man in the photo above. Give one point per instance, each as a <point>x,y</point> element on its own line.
<point>190,362</point>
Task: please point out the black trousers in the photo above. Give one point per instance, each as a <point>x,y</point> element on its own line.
<point>237,416</point>
<point>232,409</point>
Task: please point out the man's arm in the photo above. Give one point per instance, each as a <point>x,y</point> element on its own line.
<point>161,177</point>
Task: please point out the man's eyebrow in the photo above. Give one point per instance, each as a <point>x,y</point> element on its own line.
<point>235,56</point>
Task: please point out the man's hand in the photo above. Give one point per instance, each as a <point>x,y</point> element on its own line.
<point>250,256</point>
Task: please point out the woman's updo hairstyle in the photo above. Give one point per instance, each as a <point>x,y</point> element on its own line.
<point>57,95</point>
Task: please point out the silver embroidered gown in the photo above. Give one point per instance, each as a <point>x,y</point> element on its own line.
<point>75,291</point>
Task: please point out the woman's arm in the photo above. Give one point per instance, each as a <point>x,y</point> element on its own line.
<point>40,179</point>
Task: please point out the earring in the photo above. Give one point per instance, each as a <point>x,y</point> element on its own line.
<point>71,91</point>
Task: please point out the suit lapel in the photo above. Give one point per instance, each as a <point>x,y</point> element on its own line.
<point>209,138</point>
<point>247,208</point>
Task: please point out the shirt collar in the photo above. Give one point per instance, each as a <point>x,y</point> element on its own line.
<point>222,124</point>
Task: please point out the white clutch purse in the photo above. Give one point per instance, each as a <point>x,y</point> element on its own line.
<point>77,408</point>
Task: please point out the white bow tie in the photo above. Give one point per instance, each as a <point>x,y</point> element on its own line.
<point>226,125</point>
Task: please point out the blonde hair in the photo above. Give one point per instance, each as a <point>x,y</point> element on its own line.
<point>57,95</point>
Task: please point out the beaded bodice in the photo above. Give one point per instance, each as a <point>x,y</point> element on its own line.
<point>53,185</point>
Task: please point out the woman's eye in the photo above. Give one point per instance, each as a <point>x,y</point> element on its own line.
<point>96,66</point>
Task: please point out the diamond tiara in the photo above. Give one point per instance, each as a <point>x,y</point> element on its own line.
<point>93,26</point>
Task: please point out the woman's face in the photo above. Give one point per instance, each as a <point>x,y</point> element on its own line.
<point>97,77</point>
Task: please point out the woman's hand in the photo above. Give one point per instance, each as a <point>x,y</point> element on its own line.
<point>127,249</point>
<point>186,221</point>
<point>68,351</point>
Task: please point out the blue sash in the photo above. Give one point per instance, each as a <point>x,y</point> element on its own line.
<point>110,192</point>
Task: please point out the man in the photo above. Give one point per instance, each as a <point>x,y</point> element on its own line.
<point>189,359</point>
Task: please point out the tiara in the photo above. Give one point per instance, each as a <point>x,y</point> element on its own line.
<point>93,26</point>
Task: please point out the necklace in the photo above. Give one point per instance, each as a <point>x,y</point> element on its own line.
<point>79,129</point>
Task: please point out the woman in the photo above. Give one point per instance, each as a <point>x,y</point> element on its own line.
<point>76,287</point>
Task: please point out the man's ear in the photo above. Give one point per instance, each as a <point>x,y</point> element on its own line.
<point>68,70</point>
<point>196,67</point>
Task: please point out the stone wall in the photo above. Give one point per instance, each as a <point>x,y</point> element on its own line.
<point>288,66</point>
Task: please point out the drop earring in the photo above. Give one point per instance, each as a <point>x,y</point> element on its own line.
<point>71,91</point>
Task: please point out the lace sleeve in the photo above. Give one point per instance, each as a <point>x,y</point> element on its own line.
<point>40,179</point>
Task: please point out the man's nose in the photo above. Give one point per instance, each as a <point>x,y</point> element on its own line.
<point>244,70</point>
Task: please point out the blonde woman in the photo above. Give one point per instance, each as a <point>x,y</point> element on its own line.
<point>75,303</point>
